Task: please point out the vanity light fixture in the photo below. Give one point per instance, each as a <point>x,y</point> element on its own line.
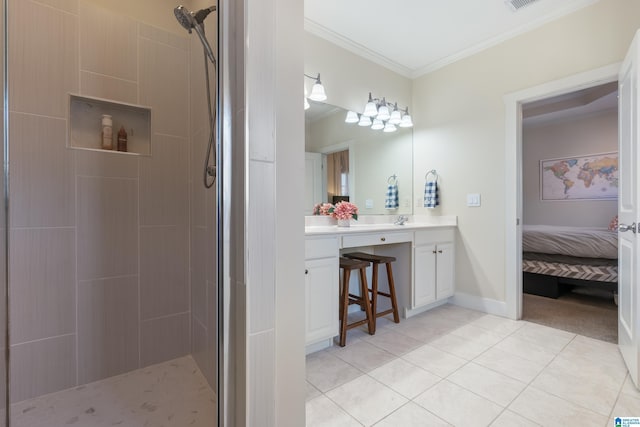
<point>380,114</point>
<point>317,90</point>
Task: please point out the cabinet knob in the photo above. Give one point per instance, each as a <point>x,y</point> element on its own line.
<point>440,251</point>
<point>306,271</point>
<point>383,239</point>
<point>435,252</point>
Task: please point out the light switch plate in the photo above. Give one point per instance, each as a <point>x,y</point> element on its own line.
<point>473,200</point>
<point>368,204</point>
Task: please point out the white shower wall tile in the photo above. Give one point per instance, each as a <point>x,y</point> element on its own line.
<point>106,164</point>
<point>261,252</point>
<point>164,191</point>
<point>70,6</point>
<point>261,69</point>
<point>164,263</point>
<point>42,297</point>
<point>261,378</point>
<point>198,280</point>
<point>46,188</point>
<point>100,86</point>
<point>43,69</point>
<point>164,338</point>
<point>164,73</point>
<point>162,36</point>
<point>108,42</point>
<point>199,120</point>
<point>108,327</point>
<point>107,227</point>
<point>43,366</point>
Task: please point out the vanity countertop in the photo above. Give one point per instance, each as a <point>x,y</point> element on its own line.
<point>315,226</point>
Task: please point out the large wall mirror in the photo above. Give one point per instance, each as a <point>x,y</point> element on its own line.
<point>348,162</point>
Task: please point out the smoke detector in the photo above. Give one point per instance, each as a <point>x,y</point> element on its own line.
<point>515,5</point>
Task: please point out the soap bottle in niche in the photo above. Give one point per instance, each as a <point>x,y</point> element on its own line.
<point>107,132</point>
<point>122,139</point>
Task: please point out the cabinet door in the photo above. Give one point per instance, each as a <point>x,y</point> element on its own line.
<point>444,270</point>
<point>424,280</point>
<point>321,299</point>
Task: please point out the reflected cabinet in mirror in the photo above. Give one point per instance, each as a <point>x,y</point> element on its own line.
<point>350,162</point>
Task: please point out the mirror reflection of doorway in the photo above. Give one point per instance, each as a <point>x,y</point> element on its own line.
<point>338,176</point>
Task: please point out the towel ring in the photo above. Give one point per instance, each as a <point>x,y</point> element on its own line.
<point>431,172</point>
<point>393,179</point>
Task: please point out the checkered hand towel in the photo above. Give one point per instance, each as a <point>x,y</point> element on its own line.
<point>431,199</point>
<point>391,201</point>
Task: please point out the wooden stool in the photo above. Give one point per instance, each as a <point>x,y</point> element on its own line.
<point>346,298</point>
<point>377,260</point>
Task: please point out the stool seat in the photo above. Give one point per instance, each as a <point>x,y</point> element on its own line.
<point>376,260</point>
<point>346,298</point>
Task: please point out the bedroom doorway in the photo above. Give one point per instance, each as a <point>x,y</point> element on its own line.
<point>569,196</point>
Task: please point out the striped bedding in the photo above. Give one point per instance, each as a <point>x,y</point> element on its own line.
<point>572,252</point>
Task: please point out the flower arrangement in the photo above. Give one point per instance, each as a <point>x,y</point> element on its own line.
<point>344,210</point>
<point>322,209</point>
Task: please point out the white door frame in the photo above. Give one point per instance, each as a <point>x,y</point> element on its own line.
<point>513,169</point>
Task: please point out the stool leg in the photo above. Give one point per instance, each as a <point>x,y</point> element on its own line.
<point>367,303</point>
<point>344,306</point>
<point>392,293</point>
<point>374,294</point>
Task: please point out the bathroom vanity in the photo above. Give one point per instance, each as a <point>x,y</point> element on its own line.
<point>423,271</point>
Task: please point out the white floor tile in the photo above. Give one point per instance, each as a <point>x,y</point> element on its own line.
<point>498,325</point>
<point>364,356</point>
<point>511,419</point>
<point>509,364</point>
<point>629,388</point>
<point>322,412</point>
<point>461,347</point>
<point>478,334</point>
<point>458,406</point>
<point>434,360</point>
<point>626,406</point>
<point>549,338</point>
<point>366,400</point>
<point>526,350</point>
<point>548,410</point>
<point>412,415</point>
<point>312,392</point>
<point>326,371</point>
<point>393,342</point>
<point>404,377</point>
<point>489,384</point>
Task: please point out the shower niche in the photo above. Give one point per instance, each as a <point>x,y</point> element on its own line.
<point>85,124</point>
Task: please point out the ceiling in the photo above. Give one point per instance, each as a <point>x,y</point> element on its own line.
<point>414,37</point>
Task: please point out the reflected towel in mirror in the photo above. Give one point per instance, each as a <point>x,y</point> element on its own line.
<point>391,200</point>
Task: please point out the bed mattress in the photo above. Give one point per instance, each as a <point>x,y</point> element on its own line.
<point>572,241</point>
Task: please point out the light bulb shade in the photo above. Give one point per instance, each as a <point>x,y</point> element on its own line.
<point>406,121</point>
<point>317,93</point>
<point>306,104</point>
<point>352,117</point>
<point>377,124</point>
<point>370,110</point>
<point>364,121</point>
<point>383,113</point>
<point>396,117</point>
<point>389,128</point>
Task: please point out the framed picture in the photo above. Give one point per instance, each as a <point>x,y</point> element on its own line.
<point>592,177</point>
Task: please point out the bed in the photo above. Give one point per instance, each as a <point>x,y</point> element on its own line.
<point>555,257</point>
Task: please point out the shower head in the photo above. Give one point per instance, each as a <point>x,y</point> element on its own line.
<point>195,21</point>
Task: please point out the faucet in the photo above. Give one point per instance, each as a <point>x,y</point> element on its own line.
<point>401,220</point>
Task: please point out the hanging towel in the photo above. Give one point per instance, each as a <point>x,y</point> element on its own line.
<point>391,201</point>
<point>431,199</point>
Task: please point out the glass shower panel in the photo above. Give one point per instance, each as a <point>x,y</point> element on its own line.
<point>3,232</point>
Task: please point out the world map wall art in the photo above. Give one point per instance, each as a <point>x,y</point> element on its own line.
<point>593,177</point>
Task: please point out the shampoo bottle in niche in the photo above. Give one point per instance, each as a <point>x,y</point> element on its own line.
<point>107,132</point>
<point>122,139</point>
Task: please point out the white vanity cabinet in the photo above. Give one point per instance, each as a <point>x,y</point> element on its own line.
<point>433,260</point>
<point>322,289</point>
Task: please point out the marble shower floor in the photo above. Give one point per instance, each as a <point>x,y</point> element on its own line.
<point>170,394</point>
<point>453,366</point>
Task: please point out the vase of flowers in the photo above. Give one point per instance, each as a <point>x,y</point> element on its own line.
<point>343,212</point>
<point>322,209</point>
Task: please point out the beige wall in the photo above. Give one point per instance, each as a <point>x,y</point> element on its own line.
<point>460,121</point>
<point>567,138</point>
<point>99,250</point>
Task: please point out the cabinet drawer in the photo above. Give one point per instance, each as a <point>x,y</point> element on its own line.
<point>321,248</point>
<point>434,235</point>
<point>375,239</point>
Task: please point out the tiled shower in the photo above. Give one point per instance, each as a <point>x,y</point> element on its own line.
<point>111,255</point>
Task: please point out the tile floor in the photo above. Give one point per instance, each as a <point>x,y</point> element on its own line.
<point>170,394</point>
<point>453,366</point>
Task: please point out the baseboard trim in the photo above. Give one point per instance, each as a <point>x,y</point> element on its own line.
<point>486,305</point>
